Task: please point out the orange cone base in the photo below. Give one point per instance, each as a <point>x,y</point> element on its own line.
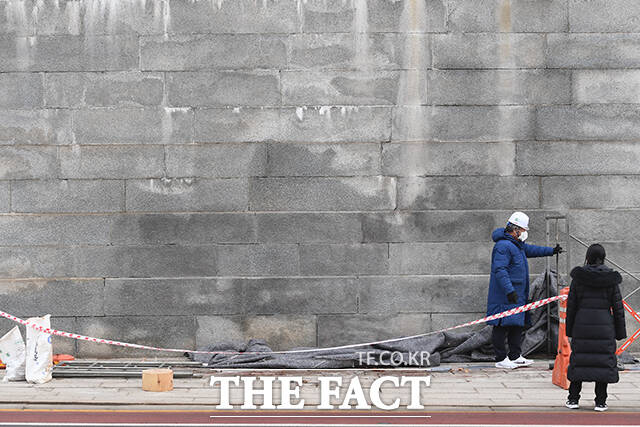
<point>559,376</point>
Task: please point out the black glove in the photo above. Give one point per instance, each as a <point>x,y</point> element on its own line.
<point>512,297</point>
<point>558,249</point>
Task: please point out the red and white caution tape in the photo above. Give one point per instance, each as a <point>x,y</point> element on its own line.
<point>511,312</point>
<point>516,310</point>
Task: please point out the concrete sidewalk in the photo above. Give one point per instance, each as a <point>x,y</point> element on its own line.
<point>459,386</point>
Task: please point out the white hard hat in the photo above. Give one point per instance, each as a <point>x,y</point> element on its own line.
<point>520,219</point>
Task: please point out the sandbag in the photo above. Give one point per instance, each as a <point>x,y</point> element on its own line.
<point>39,352</point>
<point>12,353</point>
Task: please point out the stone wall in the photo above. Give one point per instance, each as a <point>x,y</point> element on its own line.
<point>312,172</point>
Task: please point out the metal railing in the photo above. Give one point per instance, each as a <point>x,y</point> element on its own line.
<point>547,277</point>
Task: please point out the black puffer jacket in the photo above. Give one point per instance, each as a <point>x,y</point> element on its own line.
<point>595,319</point>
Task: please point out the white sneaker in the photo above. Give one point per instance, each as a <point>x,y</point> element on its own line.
<point>506,364</point>
<point>601,408</point>
<point>572,404</point>
<point>521,361</point>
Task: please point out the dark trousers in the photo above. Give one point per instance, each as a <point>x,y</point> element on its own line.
<point>601,392</point>
<point>513,334</point>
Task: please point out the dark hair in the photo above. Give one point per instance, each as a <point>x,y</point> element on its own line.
<point>595,254</point>
<point>510,228</point>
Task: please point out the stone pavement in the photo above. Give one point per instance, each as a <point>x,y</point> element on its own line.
<point>459,386</point>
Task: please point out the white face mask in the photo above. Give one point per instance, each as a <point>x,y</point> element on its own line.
<point>523,236</point>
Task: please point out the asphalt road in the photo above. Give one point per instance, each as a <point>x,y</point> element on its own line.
<point>63,417</point>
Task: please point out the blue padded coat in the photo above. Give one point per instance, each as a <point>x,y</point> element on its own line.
<point>510,272</point>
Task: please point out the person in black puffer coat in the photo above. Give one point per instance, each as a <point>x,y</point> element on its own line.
<point>595,319</point>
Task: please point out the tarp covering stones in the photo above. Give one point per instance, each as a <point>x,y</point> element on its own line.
<point>461,345</point>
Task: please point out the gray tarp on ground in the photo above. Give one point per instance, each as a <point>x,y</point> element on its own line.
<point>461,345</point>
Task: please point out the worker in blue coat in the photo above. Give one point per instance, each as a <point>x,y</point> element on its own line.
<point>509,287</point>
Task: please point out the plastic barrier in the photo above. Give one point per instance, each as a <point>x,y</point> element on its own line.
<point>633,337</point>
<point>561,364</point>
<point>57,358</point>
